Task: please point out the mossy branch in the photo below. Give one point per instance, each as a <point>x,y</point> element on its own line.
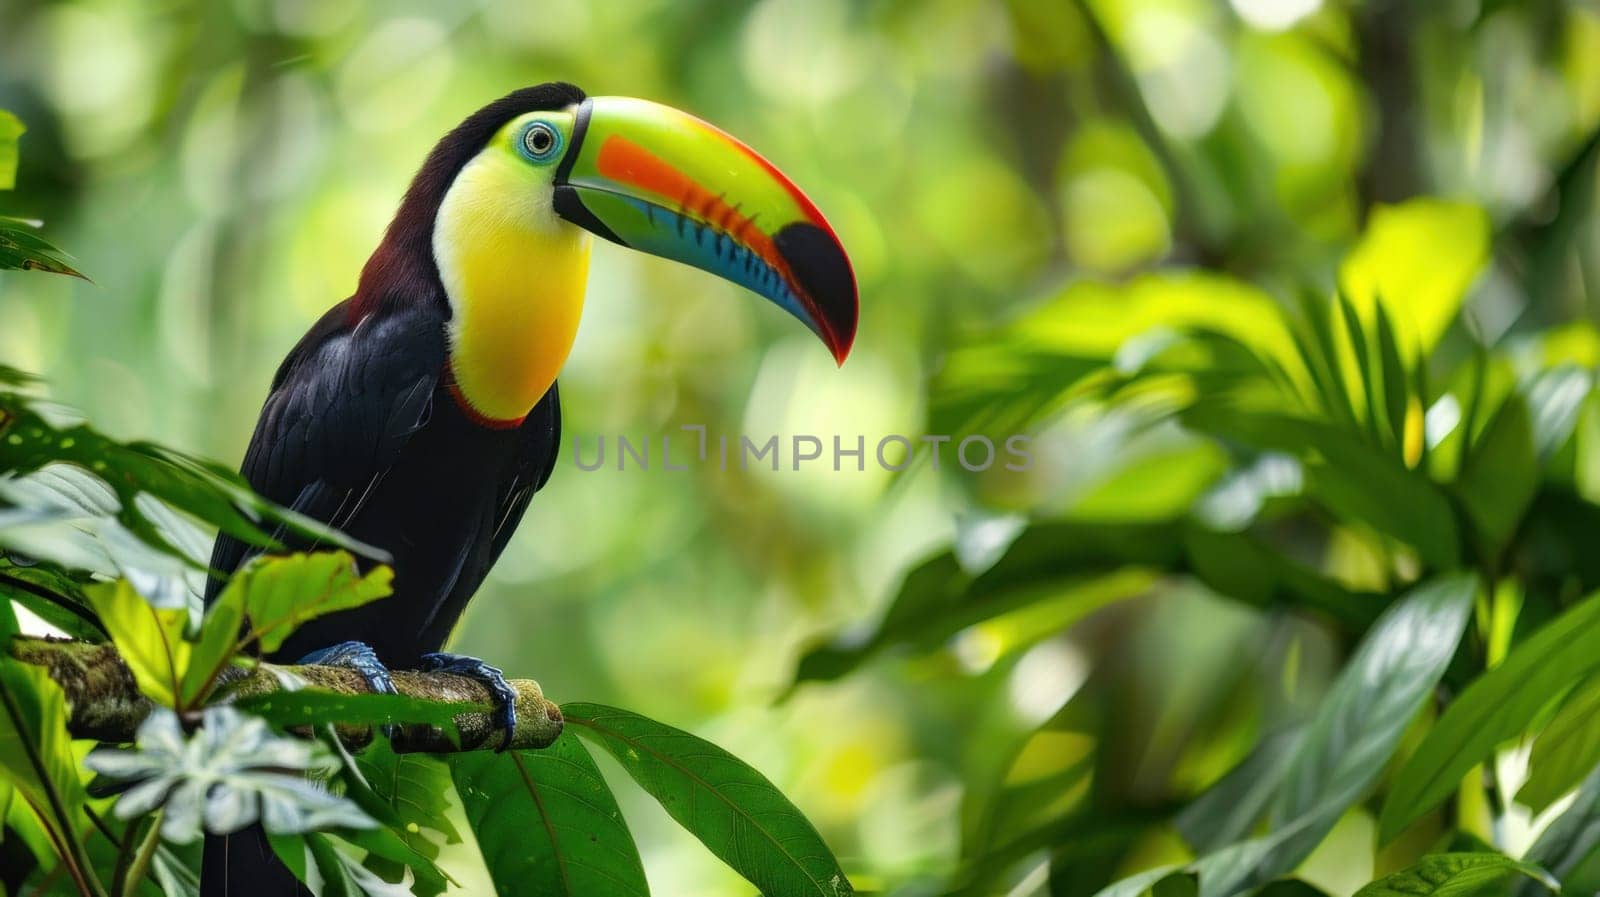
<point>106,705</point>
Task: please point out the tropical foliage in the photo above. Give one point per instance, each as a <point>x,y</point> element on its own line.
<point>1295,299</point>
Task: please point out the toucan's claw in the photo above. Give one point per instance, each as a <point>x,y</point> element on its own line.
<point>505,697</point>
<point>360,657</point>
<point>357,656</point>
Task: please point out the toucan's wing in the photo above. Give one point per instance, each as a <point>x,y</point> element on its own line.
<point>541,443</point>
<point>342,405</point>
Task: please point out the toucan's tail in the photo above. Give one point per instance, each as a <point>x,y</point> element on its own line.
<point>243,865</point>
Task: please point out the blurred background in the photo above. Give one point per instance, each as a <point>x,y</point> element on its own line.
<point>222,170</point>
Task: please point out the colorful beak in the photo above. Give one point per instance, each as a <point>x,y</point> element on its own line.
<point>664,182</point>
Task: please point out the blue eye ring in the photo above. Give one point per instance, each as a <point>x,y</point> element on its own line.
<point>540,141</point>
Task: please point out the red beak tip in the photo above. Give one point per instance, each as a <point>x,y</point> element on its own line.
<point>841,351</point>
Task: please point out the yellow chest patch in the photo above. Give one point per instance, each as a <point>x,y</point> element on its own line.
<point>515,273</point>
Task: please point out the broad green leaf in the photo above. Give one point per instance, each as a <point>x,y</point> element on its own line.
<point>1358,724</point>
<point>1229,809</point>
<point>1139,882</point>
<point>1418,258</point>
<point>1047,777</point>
<point>1376,696</point>
<point>390,857</point>
<point>1220,873</point>
<point>23,249</point>
<point>1569,846</point>
<point>730,807</point>
<point>35,750</point>
<point>417,789</point>
<point>35,435</point>
<point>1012,378</point>
<point>1290,887</point>
<point>313,707</point>
<point>1352,478</point>
<point>547,824</point>
<point>328,871</point>
<point>939,599</point>
<point>1499,476</point>
<point>52,594</point>
<point>150,639</point>
<point>1217,874</point>
<point>214,646</point>
<point>1495,707</point>
<point>11,128</point>
<point>1453,875</point>
<point>1566,751</point>
<point>278,594</point>
<point>1555,399</point>
<point>397,842</point>
<point>174,877</point>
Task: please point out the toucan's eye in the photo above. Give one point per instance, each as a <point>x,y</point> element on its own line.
<point>541,141</point>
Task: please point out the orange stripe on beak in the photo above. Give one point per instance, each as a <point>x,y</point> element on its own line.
<point>626,162</point>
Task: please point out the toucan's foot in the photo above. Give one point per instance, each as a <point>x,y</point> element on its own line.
<point>505,697</point>
<point>357,656</point>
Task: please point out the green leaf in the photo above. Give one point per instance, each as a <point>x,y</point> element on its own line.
<point>1229,809</point>
<point>278,594</point>
<point>730,807</point>
<point>1555,399</point>
<point>1499,476</point>
<point>1392,373</point>
<point>389,856</point>
<point>417,789</point>
<point>1497,706</point>
<point>1290,887</point>
<point>11,128</point>
<point>314,707</point>
<point>37,437</point>
<point>1453,875</point>
<point>1139,882</point>
<point>52,594</point>
<point>547,824</point>
<point>1217,874</point>
<point>1352,478</point>
<point>397,842</point>
<point>1355,731</point>
<point>22,249</point>
<point>939,599</point>
<point>339,874</point>
<point>1417,258</point>
<point>1012,378</point>
<point>35,750</point>
<point>150,639</point>
<point>1566,751</point>
<point>1319,350</point>
<point>1570,843</point>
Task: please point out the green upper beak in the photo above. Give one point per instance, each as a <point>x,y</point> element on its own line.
<point>661,181</point>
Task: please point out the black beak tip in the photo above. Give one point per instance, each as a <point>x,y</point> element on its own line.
<point>823,271</point>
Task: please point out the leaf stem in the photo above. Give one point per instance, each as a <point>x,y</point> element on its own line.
<point>129,885</point>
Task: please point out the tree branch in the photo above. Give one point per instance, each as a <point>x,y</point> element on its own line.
<point>105,703</point>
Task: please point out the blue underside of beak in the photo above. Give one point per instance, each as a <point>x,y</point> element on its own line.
<point>678,237</point>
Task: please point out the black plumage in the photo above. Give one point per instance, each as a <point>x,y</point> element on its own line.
<point>361,431</point>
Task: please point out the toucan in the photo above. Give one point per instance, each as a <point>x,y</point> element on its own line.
<point>420,415</point>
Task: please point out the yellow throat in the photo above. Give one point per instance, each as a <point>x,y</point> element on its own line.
<point>515,274</point>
